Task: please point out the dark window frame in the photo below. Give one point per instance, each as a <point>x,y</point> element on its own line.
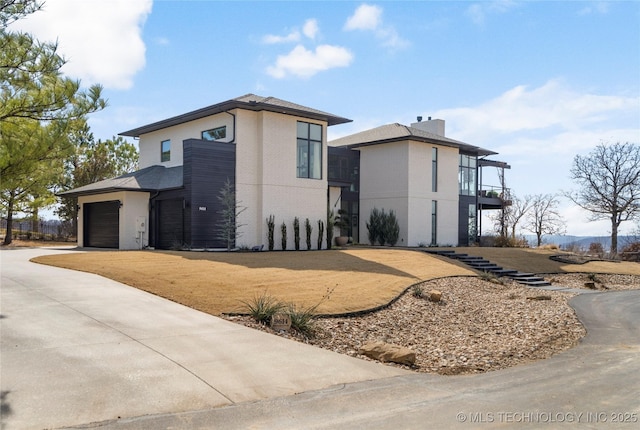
<point>305,143</point>
<point>217,133</point>
<point>165,151</point>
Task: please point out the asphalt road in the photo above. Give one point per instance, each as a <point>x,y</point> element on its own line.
<point>594,385</point>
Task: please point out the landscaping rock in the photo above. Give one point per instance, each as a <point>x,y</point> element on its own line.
<point>388,352</point>
<point>435,295</point>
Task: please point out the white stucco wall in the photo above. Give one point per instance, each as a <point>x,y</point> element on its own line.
<point>149,143</point>
<point>398,176</point>
<point>266,181</point>
<point>134,205</point>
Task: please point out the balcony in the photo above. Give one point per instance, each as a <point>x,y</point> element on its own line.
<point>493,197</point>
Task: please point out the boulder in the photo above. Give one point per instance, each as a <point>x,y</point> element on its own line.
<point>383,351</point>
<point>435,295</point>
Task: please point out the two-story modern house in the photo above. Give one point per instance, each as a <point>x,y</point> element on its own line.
<point>276,156</point>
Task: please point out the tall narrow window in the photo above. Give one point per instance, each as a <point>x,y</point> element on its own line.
<point>473,224</point>
<point>434,169</point>
<point>467,175</point>
<point>165,150</point>
<point>434,223</point>
<point>309,150</point>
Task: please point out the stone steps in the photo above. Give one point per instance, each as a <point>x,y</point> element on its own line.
<point>479,263</point>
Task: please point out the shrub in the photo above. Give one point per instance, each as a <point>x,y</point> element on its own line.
<point>596,248</point>
<point>417,291</point>
<point>374,226</point>
<point>391,228</point>
<point>301,319</point>
<point>629,252</point>
<point>296,233</point>
<point>308,230</point>
<point>331,220</point>
<point>283,230</point>
<point>271,226</point>
<point>263,307</point>
<point>383,228</point>
<point>320,233</point>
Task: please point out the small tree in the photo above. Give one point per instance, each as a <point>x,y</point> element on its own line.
<point>308,229</point>
<point>296,233</point>
<point>283,230</point>
<point>228,226</point>
<point>544,217</point>
<point>271,227</point>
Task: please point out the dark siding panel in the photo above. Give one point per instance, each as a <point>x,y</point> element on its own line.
<point>207,166</point>
<point>102,224</point>
<point>170,233</point>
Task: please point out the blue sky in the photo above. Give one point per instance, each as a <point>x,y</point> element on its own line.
<point>538,82</point>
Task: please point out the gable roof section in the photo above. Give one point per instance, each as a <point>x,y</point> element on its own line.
<point>248,102</point>
<point>153,178</point>
<point>398,132</point>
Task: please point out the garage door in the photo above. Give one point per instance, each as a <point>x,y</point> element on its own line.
<point>170,224</point>
<point>102,224</point>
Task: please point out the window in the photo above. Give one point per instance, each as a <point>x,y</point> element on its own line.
<point>473,224</point>
<point>434,223</point>
<point>215,133</point>
<point>309,150</point>
<point>434,169</point>
<point>165,151</point>
<point>467,175</point>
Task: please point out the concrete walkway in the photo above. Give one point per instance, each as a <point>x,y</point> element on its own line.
<point>77,348</point>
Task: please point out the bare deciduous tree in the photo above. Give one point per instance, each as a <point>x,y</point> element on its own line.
<point>544,217</point>
<point>609,180</point>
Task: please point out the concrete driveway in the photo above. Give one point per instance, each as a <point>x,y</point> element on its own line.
<point>79,349</point>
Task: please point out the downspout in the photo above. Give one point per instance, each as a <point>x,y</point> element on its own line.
<point>234,126</point>
<point>155,223</point>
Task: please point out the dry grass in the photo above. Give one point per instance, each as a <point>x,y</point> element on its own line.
<point>219,282</point>
<point>359,278</point>
<point>537,261</point>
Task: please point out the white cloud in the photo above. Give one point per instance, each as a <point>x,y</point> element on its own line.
<point>539,131</point>
<point>304,63</point>
<point>310,28</point>
<point>552,109</point>
<point>272,39</point>
<point>599,7</point>
<point>369,18</point>
<point>101,40</point>
<point>366,17</point>
<point>479,11</point>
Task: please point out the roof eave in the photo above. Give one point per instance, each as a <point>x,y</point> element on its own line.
<point>227,106</point>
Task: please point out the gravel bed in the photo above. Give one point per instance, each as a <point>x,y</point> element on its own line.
<point>478,325</point>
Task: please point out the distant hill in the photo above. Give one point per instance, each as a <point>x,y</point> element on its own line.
<point>581,242</point>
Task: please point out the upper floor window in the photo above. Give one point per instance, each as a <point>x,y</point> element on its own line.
<point>434,169</point>
<point>165,150</point>
<point>217,133</point>
<point>309,150</point>
<point>467,175</point>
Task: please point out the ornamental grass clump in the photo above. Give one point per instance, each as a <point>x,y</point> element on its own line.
<point>262,308</point>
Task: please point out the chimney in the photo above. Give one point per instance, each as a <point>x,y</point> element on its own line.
<point>434,126</point>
